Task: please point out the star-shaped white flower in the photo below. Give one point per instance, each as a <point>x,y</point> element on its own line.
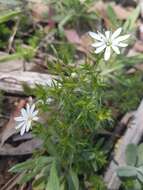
<point>108,42</point>
<point>24,121</point>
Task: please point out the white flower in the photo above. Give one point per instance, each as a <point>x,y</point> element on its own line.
<point>24,121</point>
<point>74,75</point>
<point>108,42</point>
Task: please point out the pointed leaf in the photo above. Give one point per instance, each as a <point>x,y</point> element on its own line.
<point>112,15</point>
<point>29,164</point>
<point>73,180</point>
<point>130,22</point>
<point>53,181</point>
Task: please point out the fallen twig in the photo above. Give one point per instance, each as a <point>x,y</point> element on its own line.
<point>24,148</point>
<point>12,182</point>
<point>12,82</point>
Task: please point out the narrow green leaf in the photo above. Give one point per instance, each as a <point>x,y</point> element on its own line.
<point>53,181</point>
<point>73,180</point>
<point>10,57</point>
<point>22,166</point>
<point>36,163</point>
<point>26,177</point>
<point>112,15</point>
<point>8,16</point>
<point>130,22</point>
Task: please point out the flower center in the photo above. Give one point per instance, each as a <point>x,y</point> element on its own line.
<point>108,43</point>
<point>30,118</point>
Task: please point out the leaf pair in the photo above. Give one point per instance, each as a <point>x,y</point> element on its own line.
<point>134,160</point>
<point>54,180</point>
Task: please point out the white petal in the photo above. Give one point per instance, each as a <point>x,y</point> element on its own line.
<point>28,126</point>
<point>23,112</point>
<point>98,44</point>
<point>116,33</point>
<point>32,108</point>
<point>107,53</point>
<point>102,36</point>
<point>98,50</point>
<point>122,44</point>
<point>35,118</point>
<point>22,131</point>
<point>107,34</point>
<point>122,38</point>
<point>19,118</point>
<point>28,108</point>
<point>95,36</point>
<point>35,113</point>
<point>116,49</point>
<point>20,125</point>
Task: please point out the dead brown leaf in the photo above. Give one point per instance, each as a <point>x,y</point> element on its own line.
<point>101,8</point>
<point>41,12</point>
<point>72,36</point>
<point>121,12</point>
<point>86,42</point>
<point>138,46</point>
<point>139,67</point>
<point>39,9</point>
<point>82,43</point>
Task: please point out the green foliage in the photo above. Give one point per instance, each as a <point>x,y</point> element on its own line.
<point>112,16</point>
<point>129,25</point>
<point>5,34</point>
<point>75,112</point>
<point>77,106</point>
<point>39,165</point>
<point>130,22</point>
<point>134,168</point>
<point>53,182</point>
<point>73,180</point>
<point>63,53</point>
<point>77,12</point>
<point>131,184</point>
<point>5,29</point>
<point>127,86</point>
<point>5,16</point>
